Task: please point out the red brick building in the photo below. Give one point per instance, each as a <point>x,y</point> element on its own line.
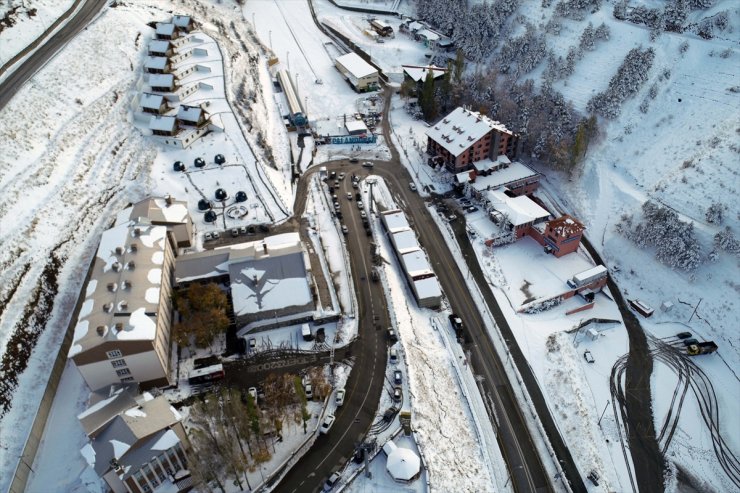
<point>464,137</point>
<point>561,236</point>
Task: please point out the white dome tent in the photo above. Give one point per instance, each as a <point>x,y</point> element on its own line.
<point>402,463</point>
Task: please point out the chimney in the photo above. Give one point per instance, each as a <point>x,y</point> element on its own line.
<point>254,279</point>
<point>101,330</point>
<point>111,287</point>
<point>119,326</point>
<point>264,247</point>
<point>119,250</point>
<point>131,265</point>
<point>168,199</point>
<point>137,232</point>
<point>134,247</point>
<point>117,266</point>
<point>123,306</point>
<point>108,307</point>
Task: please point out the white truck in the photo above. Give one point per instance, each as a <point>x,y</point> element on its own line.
<point>587,277</point>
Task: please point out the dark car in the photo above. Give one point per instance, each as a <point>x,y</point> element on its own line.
<point>392,334</point>
<point>353,160</point>
<point>397,377</point>
<point>397,394</point>
<point>683,335</point>
<point>690,342</point>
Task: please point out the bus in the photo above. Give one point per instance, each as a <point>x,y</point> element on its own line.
<point>381,27</point>
<point>641,308</point>
<point>206,375</point>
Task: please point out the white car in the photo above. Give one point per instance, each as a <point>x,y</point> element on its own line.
<point>309,391</point>
<point>340,397</point>
<point>253,393</point>
<point>368,164</point>
<point>412,186</point>
<point>326,425</point>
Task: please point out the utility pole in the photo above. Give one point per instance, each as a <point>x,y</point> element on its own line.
<point>269,34</point>
<point>603,412</point>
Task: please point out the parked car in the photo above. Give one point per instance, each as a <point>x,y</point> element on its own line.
<point>355,184</point>
<point>340,397</point>
<point>216,235</point>
<point>252,343</point>
<point>345,230</point>
<point>472,208</point>
<point>397,394</point>
<point>341,176</point>
<point>367,164</point>
<point>451,217</point>
<point>359,204</point>
<point>392,336</point>
<point>358,196</point>
<point>208,237</point>
<point>332,174</point>
<point>331,482</point>
<point>309,391</point>
<point>397,377</point>
<point>264,228</point>
<point>354,160</point>
<point>349,196</point>
<point>253,392</point>
<point>326,424</point>
<point>235,232</point>
<point>412,186</point>
<point>242,230</point>
<point>683,335</point>
<point>374,275</point>
<point>588,356</point>
<point>393,358</point>
<point>363,214</point>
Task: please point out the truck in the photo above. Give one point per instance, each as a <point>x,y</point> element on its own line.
<point>707,347</point>
<point>641,308</point>
<point>381,27</point>
<point>323,173</point>
<point>306,332</point>
<point>587,277</point>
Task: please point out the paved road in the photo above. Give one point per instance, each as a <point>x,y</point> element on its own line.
<point>369,350</point>
<point>37,60</point>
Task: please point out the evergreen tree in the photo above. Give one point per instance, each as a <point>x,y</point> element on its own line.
<point>427,101</point>
<point>459,66</point>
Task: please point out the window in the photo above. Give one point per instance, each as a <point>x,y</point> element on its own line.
<point>116,353</point>
<point>127,379</point>
<point>118,363</point>
<point>123,372</point>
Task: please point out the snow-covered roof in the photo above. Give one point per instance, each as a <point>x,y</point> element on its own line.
<point>134,435</point>
<point>428,34</point>
<point>463,177</point>
<point>162,80</point>
<point>122,297</point>
<point>461,129</point>
<point>356,126</point>
<point>519,210</point>
<point>266,276</point>
<point>566,226</point>
<point>419,74</point>
<point>189,113</point>
<point>405,241</point>
<point>159,210</point>
<point>515,171</point>
<point>156,62</point>
<point>427,288</point>
<point>159,46</point>
<point>163,123</point>
<point>151,101</point>
<point>105,404</point>
<point>395,221</point>
<point>356,66</point>
<point>165,28</point>
<point>599,270</point>
<point>181,20</point>
<point>416,264</point>
<point>402,463</point>
<point>415,26</point>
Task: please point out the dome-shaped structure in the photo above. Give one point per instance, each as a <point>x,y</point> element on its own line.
<point>204,205</point>
<point>402,463</point>
<point>220,159</point>
<point>199,162</point>
<point>241,196</point>
<point>210,217</point>
<point>178,166</point>
<point>221,194</point>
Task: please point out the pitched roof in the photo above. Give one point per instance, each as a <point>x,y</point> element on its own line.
<point>189,113</point>
<point>419,74</point>
<point>162,80</point>
<point>122,296</point>
<point>461,129</point>
<point>355,65</point>
<point>181,20</point>
<point>163,123</point>
<point>152,101</point>
<point>156,62</point>
<point>518,210</point>
<point>165,28</point>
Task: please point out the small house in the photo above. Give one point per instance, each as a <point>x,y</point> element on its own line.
<point>418,74</point>
<point>160,47</point>
<point>517,214</point>
<point>192,116</point>
<point>183,23</point>
<point>157,65</point>
<point>153,103</point>
<point>165,126</point>
<point>561,236</point>
<point>162,82</point>
<point>166,30</point>
<point>361,75</point>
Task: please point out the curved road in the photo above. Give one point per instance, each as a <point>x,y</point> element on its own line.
<point>331,451</point>
<point>38,59</point>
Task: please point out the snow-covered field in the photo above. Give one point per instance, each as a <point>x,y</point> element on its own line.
<point>29,18</point>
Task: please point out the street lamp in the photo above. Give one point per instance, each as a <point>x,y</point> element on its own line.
<point>269,34</point>
<point>254,26</point>
<point>287,56</point>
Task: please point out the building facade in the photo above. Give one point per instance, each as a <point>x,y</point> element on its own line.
<point>465,137</point>
<point>560,236</point>
<point>361,75</point>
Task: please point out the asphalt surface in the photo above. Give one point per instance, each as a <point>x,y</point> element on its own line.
<point>17,78</point>
<point>369,350</point>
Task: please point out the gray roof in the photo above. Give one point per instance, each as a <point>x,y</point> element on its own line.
<point>189,113</point>
<point>181,20</point>
<point>461,129</point>
<point>162,80</point>
<point>106,404</point>
<point>153,101</point>
<point>159,46</point>
<point>165,28</point>
<point>163,123</point>
<point>202,265</point>
<point>156,62</point>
